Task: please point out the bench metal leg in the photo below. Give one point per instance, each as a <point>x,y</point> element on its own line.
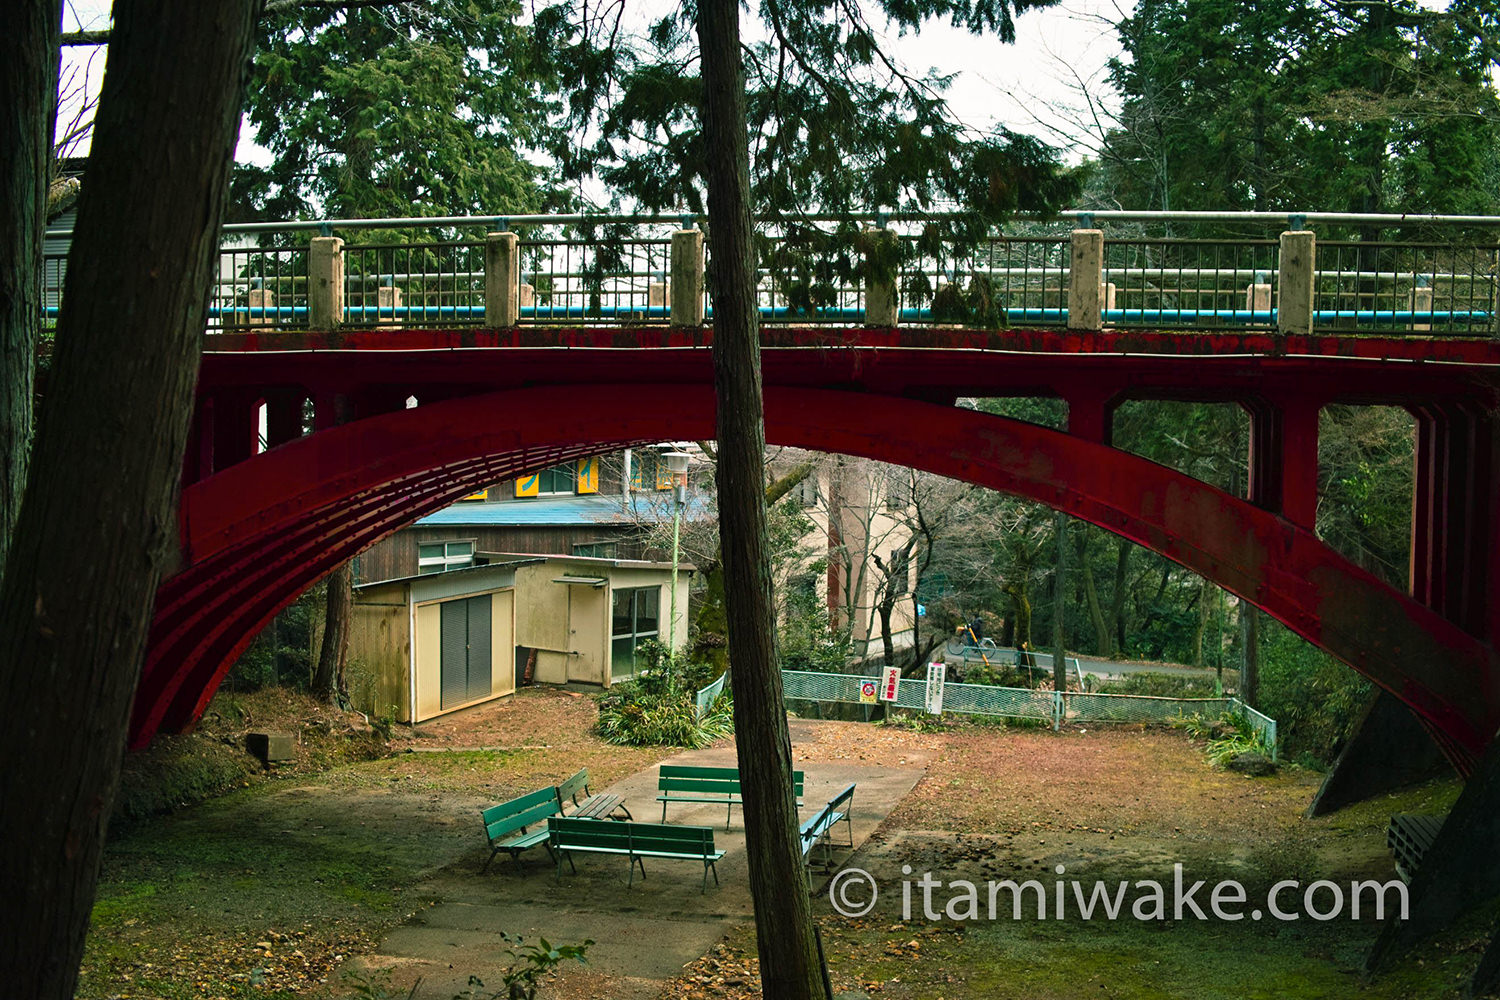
<point>709,866</point>
<point>663,812</point>
<point>493,851</point>
<point>635,860</point>
<point>728,815</point>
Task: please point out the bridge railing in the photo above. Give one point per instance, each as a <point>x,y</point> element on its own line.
<point>1148,270</point>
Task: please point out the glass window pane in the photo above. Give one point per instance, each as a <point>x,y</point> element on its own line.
<point>622,657</point>
<point>622,617</point>
<point>646,603</point>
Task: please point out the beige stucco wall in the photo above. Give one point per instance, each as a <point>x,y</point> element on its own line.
<point>542,620</point>
<point>569,624</point>
<point>378,670</point>
<point>429,663</point>
<point>394,662</point>
<point>867,527</point>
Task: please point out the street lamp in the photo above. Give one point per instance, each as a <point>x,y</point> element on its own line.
<point>677,466</point>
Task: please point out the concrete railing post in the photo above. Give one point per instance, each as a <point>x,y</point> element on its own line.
<point>1421,302</point>
<point>1258,295</point>
<point>387,301</point>
<point>502,280</point>
<point>686,284</point>
<point>325,283</point>
<point>262,305</point>
<point>882,303</point>
<point>1086,281</point>
<point>1294,308</point>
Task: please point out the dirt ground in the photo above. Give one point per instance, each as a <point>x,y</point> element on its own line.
<point>284,888</point>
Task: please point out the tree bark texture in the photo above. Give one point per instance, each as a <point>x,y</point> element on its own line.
<point>337,613</point>
<point>98,522</point>
<point>789,964</point>
<point>28,93</point>
<point>1102,637</point>
<point>1250,670</point>
<point>1117,596</point>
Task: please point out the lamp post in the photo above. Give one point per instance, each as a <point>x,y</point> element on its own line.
<point>677,466</point>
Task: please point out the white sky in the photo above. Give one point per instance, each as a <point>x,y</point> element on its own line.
<point>996,83</point>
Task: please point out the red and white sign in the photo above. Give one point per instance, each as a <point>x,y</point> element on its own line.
<point>868,690</point>
<point>890,684</point>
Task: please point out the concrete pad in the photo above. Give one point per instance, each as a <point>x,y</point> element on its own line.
<point>644,933</point>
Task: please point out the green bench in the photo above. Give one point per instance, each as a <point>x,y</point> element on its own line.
<point>681,783</point>
<point>505,825</point>
<point>567,835</point>
<point>838,810</point>
<point>592,806</point>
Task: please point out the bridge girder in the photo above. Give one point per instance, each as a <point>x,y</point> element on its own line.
<point>255,535</point>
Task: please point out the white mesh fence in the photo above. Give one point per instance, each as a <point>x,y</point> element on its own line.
<point>1025,703</point>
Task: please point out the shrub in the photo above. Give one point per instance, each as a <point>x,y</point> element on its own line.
<point>1314,698</point>
<point>636,713</point>
<point>1161,685</point>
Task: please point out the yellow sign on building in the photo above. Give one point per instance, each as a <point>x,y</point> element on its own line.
<point>588,475</point>
<point>529,486</point>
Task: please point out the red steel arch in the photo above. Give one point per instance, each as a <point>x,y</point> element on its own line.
<point>257,534</point>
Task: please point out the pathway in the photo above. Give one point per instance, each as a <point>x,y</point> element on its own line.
<point>643,934</point>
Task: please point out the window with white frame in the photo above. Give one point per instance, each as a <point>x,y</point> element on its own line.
<point>635,617</point>
<point>436,557</point>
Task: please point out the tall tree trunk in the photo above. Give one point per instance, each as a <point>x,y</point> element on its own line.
<point>1250,670</point>
<point>1205,611</point>
<point>28,88</point>
<point>1102,640</point>
<point>1060,605</point>
<point>1117,596</point>
<point>789,963</point>
<point>338,610</point>
<point>98,521</point>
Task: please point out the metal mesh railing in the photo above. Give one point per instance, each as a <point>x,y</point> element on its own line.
<point>1183,270</point>
<point>570,280</point>
<point>809,277</point>
<point>1263,725</point>
<point>1024,703</point>
<point>706,697</point>
<point>1446,288</point>
<point>1002,281</point>
<point>259,288</point>
<point>414,284</point>
<point>1191,283</point>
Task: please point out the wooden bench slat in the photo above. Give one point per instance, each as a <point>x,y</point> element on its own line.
<point>567,834</point>
<point>505,824</point>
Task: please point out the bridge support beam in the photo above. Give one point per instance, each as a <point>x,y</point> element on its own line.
<point>283,416</point>
<point>1283,457</point>
<point>1454,560</point>
<point>1091,416</point>
<point>234,428</point>
<point>1388,749</point>
<point>1452,556</point>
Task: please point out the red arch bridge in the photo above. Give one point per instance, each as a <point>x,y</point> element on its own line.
<point>261,521</point>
